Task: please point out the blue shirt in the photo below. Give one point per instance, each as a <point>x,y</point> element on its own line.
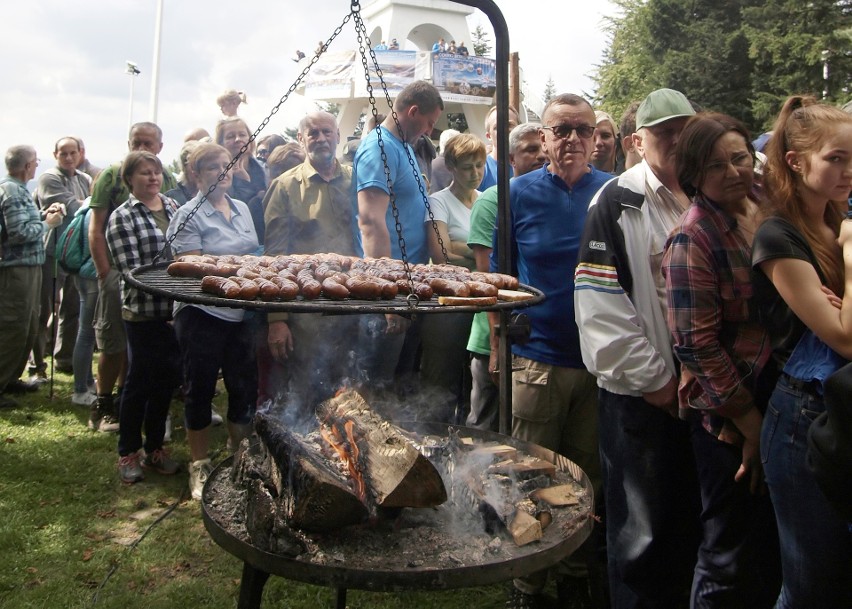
<point>209,232</point>
<point>489,178</point>
<point>547,223</point>
<point>369,172</point>
<point>23,228</point>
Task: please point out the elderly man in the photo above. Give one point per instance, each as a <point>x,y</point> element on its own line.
<point>418,107</point>
<point>525,155</point>
<point>69,186</point>
<point>308,211</point>
<point>110,192</point>
<point>554,401</point>
<point>650,487</point>
<point>22,229</point>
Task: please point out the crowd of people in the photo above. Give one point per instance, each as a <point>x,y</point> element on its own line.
<point>697,303</point>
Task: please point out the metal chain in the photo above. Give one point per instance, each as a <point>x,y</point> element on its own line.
<point>254,135</point>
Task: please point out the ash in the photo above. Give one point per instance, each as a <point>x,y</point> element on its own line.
<point>468,530</point>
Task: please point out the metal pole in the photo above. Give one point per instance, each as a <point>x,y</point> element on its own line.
<point>155,64</point>
<point>132,70</point>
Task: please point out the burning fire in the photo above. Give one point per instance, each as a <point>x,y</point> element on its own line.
<point>347,449</point>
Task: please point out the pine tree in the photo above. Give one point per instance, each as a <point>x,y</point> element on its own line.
<point>549,89</point>
<point>480,41</point>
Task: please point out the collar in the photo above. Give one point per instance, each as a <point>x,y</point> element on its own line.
<point>209,210</point>
<point>720,218</point>
<point>309,172</point>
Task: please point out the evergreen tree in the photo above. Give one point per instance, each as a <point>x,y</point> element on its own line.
<point>549,89</point>
<point>480,41</point>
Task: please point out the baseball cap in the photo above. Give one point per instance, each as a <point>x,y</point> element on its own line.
<point>662,105</point>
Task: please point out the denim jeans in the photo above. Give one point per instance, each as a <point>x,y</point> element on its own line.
<point>652,503</point>
<point>816,545</point>
<point>208,344</point>
<point>153,372</point>
<point>85,345</point>
<point>738,566</point>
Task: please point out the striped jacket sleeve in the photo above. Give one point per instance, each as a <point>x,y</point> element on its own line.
<point>613,342</point>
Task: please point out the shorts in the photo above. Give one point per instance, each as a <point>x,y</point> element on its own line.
<point>109,326</point>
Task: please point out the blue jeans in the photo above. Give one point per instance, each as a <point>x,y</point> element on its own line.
<point>651,503</point>
<point>85,345</point>
<point>208,344</point>
<point>739,566</point>
<point>816,545</point>
<point>153,372</point>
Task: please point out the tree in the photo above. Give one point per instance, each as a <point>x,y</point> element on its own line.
<point>481,43</point>
<point>549,89</point>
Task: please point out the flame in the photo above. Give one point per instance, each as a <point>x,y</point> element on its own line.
<point>347,449</point>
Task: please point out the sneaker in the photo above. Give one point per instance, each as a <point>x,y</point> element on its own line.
<point>84,398</point>
<point>102,416</point>
<point>38,378</point>
<point>160,462</point>
<point>215,418</point>
<point>198,474</point>
<point>167,437</point>
<point>129,469</point>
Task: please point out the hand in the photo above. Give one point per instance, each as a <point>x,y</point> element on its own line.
<point>54,218</point>
<point>833,300</point>
<point>493,370</point>
<point>279,340</point>
<point>665,397</point>
<point>751,467</point>
<point>396,324</point>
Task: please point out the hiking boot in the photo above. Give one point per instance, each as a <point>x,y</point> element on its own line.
<point>21,386</point>
<point>129,469</point>
<point>199,471</point>
<point>38,378</point>
<point>160,462</point>
<point>102,416</point>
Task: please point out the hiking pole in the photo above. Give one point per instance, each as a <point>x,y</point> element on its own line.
<point>54,314</point>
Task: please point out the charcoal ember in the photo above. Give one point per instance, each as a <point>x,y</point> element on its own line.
<point>531,484</point>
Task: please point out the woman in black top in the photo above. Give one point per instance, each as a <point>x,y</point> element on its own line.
<point>804,290</point>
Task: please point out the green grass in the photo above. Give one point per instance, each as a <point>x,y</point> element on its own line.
<point>67,527</point>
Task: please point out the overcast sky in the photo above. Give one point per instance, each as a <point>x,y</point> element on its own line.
<point>64,62</point>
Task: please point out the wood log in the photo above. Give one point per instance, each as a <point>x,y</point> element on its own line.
<point>556,496</point>
<point>314,494</point>
<point>524,528</point>
<point>525,469</point>
<point>396,474</point>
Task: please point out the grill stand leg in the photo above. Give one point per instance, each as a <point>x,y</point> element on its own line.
<point>341,598</point>
<point>251,587</point>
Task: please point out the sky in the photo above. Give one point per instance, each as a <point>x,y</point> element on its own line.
<point>64,62</point>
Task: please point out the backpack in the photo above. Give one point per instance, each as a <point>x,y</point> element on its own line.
<point>72,248</point>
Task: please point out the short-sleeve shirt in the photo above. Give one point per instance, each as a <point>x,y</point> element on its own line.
<point>489,178</point>
<point>369,172</point>
<point>777,238</point>
<point>483,219</point>
<point>448,209</point>
<point>209,232</point>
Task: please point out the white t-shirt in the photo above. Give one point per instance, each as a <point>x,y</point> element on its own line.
<point>448,209</point>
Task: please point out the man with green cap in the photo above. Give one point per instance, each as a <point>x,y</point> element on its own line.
<point>650,488</point>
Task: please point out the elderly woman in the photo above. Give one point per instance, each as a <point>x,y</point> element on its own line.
<point>723,348</point>
<point>248,178</point>
<point>214,338</point>
<point>186,187</point>
<point>444,363</point>
<point>135,235</point>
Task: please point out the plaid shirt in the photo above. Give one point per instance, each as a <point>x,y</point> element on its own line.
<point>133,239</point>
<point>718,338</point>
<point>22,226</point>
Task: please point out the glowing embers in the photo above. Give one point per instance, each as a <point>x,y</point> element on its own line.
<point>346,447</point>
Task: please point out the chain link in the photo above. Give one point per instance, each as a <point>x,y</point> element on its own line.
<point>254,135</point>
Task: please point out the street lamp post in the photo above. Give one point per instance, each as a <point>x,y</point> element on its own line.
<point>133,71</point>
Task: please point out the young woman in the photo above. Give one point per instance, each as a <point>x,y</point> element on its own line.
<point>722,348</point>
<point>135,234</point>
<point>444,362</point>
<point>214,338</point>
<point>607,145</point>
<point>800,259</point>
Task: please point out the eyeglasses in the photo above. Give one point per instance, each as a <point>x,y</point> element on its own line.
<point>563,131</point>
<point>739,161</point>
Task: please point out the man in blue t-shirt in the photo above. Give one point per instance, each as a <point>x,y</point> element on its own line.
<point>417,108</point>
<point>489,179</point>
<point>554,398</point>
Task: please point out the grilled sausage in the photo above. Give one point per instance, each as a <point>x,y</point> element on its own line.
<point>287,288</point>
<point>480,288</point>
<point>449,287</point>
<point>309,287</point>
<point>191,269</point>
<point>334,290</point>
<point>363,288</point>
<point>220,286</point>
<point>249,290</point>
<point>268,290</point>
